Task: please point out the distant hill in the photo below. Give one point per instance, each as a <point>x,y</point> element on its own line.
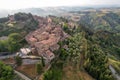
<point>41,11</point>
<point>52,10</point>
<point>97,19</point>
<point>102,21</point>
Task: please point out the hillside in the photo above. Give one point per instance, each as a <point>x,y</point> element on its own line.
<point>13,29</point>
<point>104,23</point>
<point>70,50</point>
<point>87,50</point>
<point>21,23</point>
<point>97,19</point>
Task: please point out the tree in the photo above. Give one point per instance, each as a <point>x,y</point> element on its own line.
<point>18,60</point>
<point>42,61</point>
<point>3,45</point>
<point>15,37</point>
<point>21,16</point>
<point>54,74</point>
<point>6,72</point>
<point>5,19</point>
<point>13,42</point>
<point>39,68</point>
<point>96,63</point>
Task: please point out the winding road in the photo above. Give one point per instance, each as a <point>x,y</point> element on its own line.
<point>115,74</point>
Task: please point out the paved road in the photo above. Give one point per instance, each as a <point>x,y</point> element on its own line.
<point>115,74</point>
<point>22,75</point>
<point>29,61</point>
<point>8,56</point>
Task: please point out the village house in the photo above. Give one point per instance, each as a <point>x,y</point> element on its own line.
<point>24,51</point>
<point>45,39</point>
<point>49,55</point>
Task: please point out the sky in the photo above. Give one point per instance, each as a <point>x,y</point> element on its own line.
<point>20,4</point>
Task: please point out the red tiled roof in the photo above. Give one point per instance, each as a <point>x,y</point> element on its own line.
<point>46,37</point>
<point>33,39</point>
<point>49,54</point>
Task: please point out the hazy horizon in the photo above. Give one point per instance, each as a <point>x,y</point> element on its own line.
<point>22,4</point>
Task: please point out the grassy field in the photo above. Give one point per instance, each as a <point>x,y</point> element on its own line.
<point>71,74</point>
<point>28,70</point>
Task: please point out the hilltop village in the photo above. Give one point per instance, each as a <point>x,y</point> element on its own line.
<point>44,40</point>
<point>83,45</point>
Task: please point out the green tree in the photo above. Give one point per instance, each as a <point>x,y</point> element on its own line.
<point>13,42</point>
<point>18,60</point>
<point>6,72</point>
<point>39,68</point>
<point>54,74</point>
<point>3,45</point>
<point>42,61</point>
<point>15,37</point>
<point>96,63</point>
